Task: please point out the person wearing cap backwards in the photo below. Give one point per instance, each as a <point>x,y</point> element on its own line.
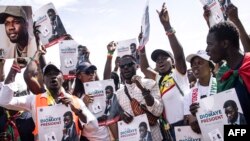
<point>16,26</point>
<point>86,72</point>
<point>54,95</point>
<point>206,85</point>
<point>171,78</point>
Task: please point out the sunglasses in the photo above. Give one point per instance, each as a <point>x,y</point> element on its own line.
<point>127,64</point>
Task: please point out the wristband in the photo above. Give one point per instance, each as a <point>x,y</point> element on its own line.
<point>110,52</point>
<point>171,31</point>
<point>110,56</point>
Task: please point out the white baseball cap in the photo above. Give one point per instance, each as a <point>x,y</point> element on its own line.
<point>200,53</point>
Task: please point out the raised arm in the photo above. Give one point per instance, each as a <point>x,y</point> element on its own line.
<point>33,74</point>
<point>232,13</point>
<point>180,63</point>
<point>144,65</point>
<point>108,66</point>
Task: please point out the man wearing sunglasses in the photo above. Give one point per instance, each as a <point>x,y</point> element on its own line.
<point>145,91</point>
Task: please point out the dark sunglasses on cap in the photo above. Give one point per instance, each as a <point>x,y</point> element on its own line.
<point>127,64</point>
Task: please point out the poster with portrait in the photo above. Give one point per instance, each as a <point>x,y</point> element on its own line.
<point>97,89</point>
<point>212,116</point>
<point>217,10</point>
<point>50,25</point>
<point>51,125</point>
<point>68,57</point>
<point>137,130</point>
<point>145,26</point>
<point>185,133</point>
<point>128,47</point>
<point>20,42</point>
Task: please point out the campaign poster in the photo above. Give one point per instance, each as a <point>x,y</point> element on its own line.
<point>53,126</point>
<point>126,47</point>
<point>137,130</point>
<point>213,113</point>
<point>145,26</point>
<point>185,133</point>
<point>11,47</point>
<point>97,89</point>
<point>68,57</point>
<point>50,25</point>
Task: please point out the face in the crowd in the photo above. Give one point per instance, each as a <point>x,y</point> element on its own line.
<point>163,63</point>
<point>231,113</point>
<point>133,48</point>
<point>215,48</point>
<point>143,131</point>
<point>53,79</point>
<point>67,121</point>
<point>52,15</point>
<point>109,93</point>
<point>127,67</point>
<point>15,28</point>
<point>82,51</point>
<point>87,76</point>
<point>200,67</point>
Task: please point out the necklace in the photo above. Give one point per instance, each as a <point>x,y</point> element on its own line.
<point>21,53</point>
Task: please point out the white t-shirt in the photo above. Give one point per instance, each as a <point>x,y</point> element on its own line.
<point>201,91</point>
<point>173,99</point>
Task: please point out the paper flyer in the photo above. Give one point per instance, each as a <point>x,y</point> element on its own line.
<point>145,26</point>
<point>97,89</point>
<point>51,26</point>
<point>185,133</point>
<point>212,116</point>
<point>52,126</point>
<point>217,8</point>
<point>11,47</point>
<point>137,130</point>
<point>126,47</point>
<point>68,57</point>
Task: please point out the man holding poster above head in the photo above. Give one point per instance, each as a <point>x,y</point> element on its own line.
<point>16,22</point>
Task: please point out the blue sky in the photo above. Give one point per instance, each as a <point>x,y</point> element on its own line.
<point>95,23</point>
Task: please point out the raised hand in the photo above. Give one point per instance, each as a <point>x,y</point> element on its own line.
<point>206,13</point>
<point>164,17</point>
<point>232,12</point>
<point>193,108</point>
<point>88,98</point>
<point>111,47</point>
